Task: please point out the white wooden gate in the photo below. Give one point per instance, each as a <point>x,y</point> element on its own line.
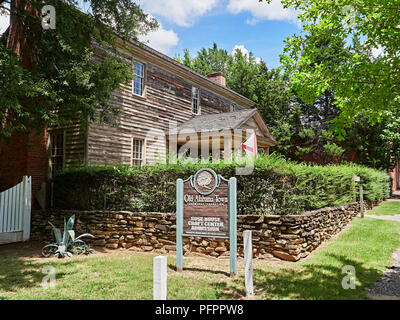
<point>15,212</point>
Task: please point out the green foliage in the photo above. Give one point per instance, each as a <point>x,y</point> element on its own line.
<point>248,77</point>
<point>276,186</point>
<point>363,84</point>
<point>268,88</point>
<point>58,77</point>
<point>67,244</point>
<point>377,145</point>
<point>374,145</point>
<point>304,130</point>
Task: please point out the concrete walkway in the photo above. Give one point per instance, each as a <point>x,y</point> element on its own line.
<point>391,218</point>
<point>395,197</point>
<point>388,286</point>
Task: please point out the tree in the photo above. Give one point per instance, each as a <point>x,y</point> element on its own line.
<point>363,85</point>
<point>304,130</point>
<point>268,88</point>
<point>375,145</point>
<point>314,140</point>
<point>378,145</point>
<point>53,77</point>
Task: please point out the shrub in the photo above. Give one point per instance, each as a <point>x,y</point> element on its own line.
<point>276,186</point>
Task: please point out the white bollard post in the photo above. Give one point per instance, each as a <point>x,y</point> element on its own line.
<point>160,278</point>
<point>362,201</point>
<point>248,262</point>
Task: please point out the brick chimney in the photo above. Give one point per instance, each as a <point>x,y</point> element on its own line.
<point>218,77</point>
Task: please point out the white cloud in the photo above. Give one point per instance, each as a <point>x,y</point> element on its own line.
<point>376,52</point>
<point>181,12</point>
<point>241,48</point>
<point>262,10</point>
<point>244,51</point>
<point>4,22</point>
<point>161,39</point>
<point>252,21</point>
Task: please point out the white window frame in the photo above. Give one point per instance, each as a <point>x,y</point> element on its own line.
<point>196,100</point>
<point>143,77</point>
<point>142,151</point>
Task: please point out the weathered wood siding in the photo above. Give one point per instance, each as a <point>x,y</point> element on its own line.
<point>167,100</point>
<point>74,144</point>
<point>251,125</point>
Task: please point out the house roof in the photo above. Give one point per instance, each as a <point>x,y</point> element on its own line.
<point>180,69</point>
<point>224,121</point>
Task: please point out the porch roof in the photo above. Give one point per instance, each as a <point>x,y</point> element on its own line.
<point>227,121</point>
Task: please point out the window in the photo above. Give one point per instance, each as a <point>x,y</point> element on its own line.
<point>195,101</point>
<point>138,80</point>
<point>137,152</point>
<point>57,151</point>
<point>233,107</point>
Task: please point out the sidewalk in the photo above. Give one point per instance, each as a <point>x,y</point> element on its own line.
<point>395,197</point>
<point>388,285</point>
<point>391,218</point>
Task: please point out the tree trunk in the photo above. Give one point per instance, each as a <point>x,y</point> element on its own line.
<point>18,39</point>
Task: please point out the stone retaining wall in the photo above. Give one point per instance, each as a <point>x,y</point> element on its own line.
<point>289,237</point>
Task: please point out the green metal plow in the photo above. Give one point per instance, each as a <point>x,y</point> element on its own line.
<point>67,244</point>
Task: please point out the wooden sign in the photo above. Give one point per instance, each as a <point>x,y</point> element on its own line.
<point>206,207</point>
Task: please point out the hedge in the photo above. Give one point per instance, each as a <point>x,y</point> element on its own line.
<point>276,186</point>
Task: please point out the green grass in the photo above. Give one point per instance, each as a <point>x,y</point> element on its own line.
<point>390,208</point>
<point>114,276</point>
<point>367,245</point>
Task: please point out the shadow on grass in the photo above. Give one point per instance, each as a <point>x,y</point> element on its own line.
<point>173,267</point>
<point>21,266</point>
<point>307,281</point>
<point>16,274</point>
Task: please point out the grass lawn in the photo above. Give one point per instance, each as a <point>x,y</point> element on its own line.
<point>367,245</point>
<point>390,208</point>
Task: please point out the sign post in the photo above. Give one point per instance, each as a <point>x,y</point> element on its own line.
<point>206,207</point>
<point>355,179</point>
<point>358,179</point>
<point>362,201</point>
<point>179,221</point>
<point>232,226</point>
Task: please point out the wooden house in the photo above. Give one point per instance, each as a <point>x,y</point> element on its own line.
<point>163,98</point>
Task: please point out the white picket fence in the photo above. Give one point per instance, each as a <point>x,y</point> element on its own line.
<point>15,212</point>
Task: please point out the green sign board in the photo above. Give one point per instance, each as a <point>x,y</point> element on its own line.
<point>206,207</point>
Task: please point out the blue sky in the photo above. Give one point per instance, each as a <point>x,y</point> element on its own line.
<point>264,40</point>
<point>257,27</point>
<point>193,24</point>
